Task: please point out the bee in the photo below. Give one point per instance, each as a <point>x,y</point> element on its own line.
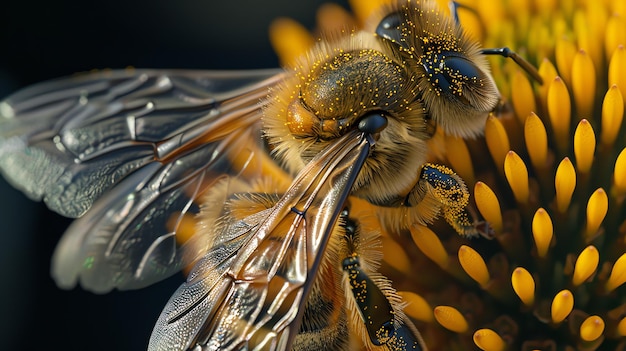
<point>287,176</point>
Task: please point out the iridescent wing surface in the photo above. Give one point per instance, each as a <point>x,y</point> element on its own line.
<point>248,291</point>
<point>128,152</point>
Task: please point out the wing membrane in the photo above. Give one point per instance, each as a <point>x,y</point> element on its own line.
<point>127,150</point>
<point>58,136</point>
<point>247,292</point>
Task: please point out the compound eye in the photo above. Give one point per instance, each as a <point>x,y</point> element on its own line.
<point>389,28</point>
<point>452,73</point>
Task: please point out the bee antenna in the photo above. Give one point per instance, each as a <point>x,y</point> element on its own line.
<point>525,65</point>
<point>506,52</point>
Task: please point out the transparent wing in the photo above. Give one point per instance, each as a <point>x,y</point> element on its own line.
<point>128,151</point>
<point>247,293</point>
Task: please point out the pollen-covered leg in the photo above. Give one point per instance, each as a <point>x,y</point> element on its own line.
<point>375,309</point>
<point>452,194</point>
<point>438,191</point>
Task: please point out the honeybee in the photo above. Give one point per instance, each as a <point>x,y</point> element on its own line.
<point>289,176</point>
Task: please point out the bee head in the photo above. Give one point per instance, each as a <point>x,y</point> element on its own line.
<point>454,82</point>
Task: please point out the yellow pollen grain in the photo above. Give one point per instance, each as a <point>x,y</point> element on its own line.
<point>559,111</point>
<point>618,274</point>
<point>615,33</point>
<point>621,327</point>
<point>617,69</point>
<point>488,340</point>
<point>289,39</point>
<point>584,146</point>
<point>522,96</point>
<point>428,242</point>
<point>564,184</point>
<point>562,305</point>
<point>564,52</point>
<point>523,285</point>
<point>474,265</point>
<point>612,115</point>
<point>488,205</point>
<point>619,172</point>
<point>536,141</point>
<point>583,84</point>
<point>417,307</point>
<point>586,264</point>
<point>517,175</point>
<point>592,328</point>
<point>542,232</point>
<point>597,207</point>
<point>451,319</point>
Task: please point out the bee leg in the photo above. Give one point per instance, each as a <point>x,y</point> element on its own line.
<point>451,193</point>
<point>371,295</point>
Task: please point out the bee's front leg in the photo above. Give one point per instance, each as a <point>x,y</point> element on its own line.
<point>437,191</point>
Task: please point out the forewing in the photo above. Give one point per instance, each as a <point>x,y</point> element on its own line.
<point>248,292</point>
<point>128,151</point>
<point>67,141</point>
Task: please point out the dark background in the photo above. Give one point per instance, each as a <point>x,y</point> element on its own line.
<point>46,39</point>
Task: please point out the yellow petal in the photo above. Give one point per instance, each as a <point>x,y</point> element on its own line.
<point>474,265</point>
<point>497,140</point>
<point>612,115</point>
<point>451,319</point>
<point>459,157</point>
<point>542,231</point>
<point>597,207</point>
<point>488,340</point>
<point>395,255</point>
<point>564,183</point>
<point>548,73</point>
<point>289,39</point>
<point>364,9</point>
<point>619,173</point>
<point>523,285</point>
<point>586,35</point>
<point>536,141</point>
<point>562,305</point>
<point>488,205</point>
<point>428,242</point>
<point>618,274</point>
<point>584,146</point>
<point>522,96</point>
<point>417,307</point>
<point>621,327</point>
<point>517,175</point>
<point>332,18</point>
<point>617,69</point>
<point>615,33</point>
<point>583,84</point>
<point>586,264</point>
<point>564,53</point>
<point>592,328</point>
<point>559,111</point>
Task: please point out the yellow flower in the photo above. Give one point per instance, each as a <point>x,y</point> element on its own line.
<point>553,190</point>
